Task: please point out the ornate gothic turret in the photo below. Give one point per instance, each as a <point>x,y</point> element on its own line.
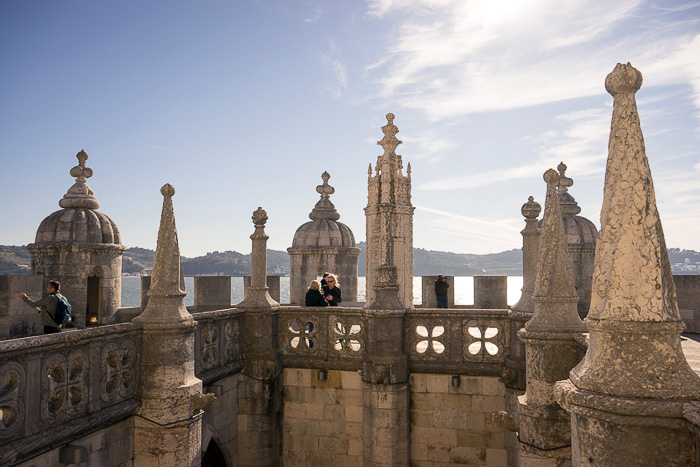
<point>81,247</point>
<point>389,202</point>
<point>324,244</point>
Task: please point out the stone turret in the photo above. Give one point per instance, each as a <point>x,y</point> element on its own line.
<point>324,244</point>
<point>389,197</point>
<point>81,247</point>
<point>626,396</point>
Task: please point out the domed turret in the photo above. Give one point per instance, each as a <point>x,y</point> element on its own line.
<point>324,244</point>
<point>81,247</point>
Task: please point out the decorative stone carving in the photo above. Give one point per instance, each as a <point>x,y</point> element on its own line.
<point>64,386</point>
<point>483,341</point>
<point>13,380</point>
<point>209,345</point>
<point>347,336</point>
<point>232,336</point>
<point>118,364</point>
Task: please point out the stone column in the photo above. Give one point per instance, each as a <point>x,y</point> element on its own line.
<point>386,395</point>
<point>550,338</point>
<point>259,386</point>
<point>626,397</point>
<point>168,426</point>
<point>513,375</point>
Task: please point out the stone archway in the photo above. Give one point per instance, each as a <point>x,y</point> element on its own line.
<point>213,457</point>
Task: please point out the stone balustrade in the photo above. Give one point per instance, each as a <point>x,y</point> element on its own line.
<point>56,387</point>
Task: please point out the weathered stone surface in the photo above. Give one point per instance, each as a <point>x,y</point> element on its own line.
<point>257,295</point>
<point>626,396</point>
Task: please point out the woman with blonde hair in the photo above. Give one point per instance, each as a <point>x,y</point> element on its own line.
<point>332,290</point>
<point>314,296</point>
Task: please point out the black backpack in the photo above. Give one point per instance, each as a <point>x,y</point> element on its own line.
<point>63,310</point>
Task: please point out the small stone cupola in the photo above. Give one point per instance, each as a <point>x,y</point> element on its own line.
<point>81,248</point>
<point>324,244</point>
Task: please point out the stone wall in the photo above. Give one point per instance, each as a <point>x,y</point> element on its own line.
<point>688,296</point>
<point>112,446</point>
<point>220,422</point>
<point>322,421</point>
<point>452,425</point>
<point>17,319</point>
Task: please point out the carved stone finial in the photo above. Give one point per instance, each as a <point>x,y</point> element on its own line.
<point>389,142</point>
<point>325,190</point>
<point>325,209</point>
<point>624,79</point>
<point>259,218</point>
<point>167,190</point>
<point>531,209</point>
<point>568,204</point>
<point>564,181</point>
<point>80,195</point>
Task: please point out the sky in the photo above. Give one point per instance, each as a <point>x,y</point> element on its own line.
<point>240,104</point>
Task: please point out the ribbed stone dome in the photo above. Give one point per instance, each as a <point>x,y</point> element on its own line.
<point>324,230</point>
<point>323,233</point>
<point>78,222</point>
<point>579,231</point>
<point>78,226</point>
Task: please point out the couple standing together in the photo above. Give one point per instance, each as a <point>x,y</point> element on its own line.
<point>325,292</point>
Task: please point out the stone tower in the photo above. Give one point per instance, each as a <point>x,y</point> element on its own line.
<point>389,200</point>
<point>323,245</point>
<point>81,247</point>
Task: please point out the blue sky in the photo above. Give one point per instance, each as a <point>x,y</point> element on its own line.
<point>240,104</point>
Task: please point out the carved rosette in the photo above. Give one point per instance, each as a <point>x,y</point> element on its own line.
<point>429,340</point>
<point>117,362</point>
<point>483,341</point>
<point>232,338</point>
<point>209,346</point>
<point>13,379</point>
<point>302,335</point>
<point>347,336</point>
<point>64,386</point>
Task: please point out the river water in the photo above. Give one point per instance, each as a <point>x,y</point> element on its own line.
<point>464,290</point>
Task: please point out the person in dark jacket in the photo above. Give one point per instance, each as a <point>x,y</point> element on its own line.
<point>314,296</point>
<point>441,287</point>
<point>47,307</point>
<point>332,290</point>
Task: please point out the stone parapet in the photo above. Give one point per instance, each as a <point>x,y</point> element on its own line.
<point>16,318</point>
<point>428,291</point>
<point>62,386</point>
<point>688,296</point>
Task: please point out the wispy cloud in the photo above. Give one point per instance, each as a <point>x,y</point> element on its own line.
<point>315,17</point>
<point>161,148</point>
<point>450,58</point>
<point>331,59</point>
<point>579,140</point>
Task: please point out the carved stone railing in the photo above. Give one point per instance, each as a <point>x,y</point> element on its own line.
<point>465,341</point>
<point>58,387</point>
<point>218,344</point>
<point>332,336</point>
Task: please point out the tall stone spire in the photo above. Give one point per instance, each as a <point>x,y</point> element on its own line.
<point>634,365</point>
<point>167,294</point>
<point>170,393</point>
<point>555,293</point>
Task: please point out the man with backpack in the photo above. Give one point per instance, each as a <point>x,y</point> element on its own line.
<point>54,309</point>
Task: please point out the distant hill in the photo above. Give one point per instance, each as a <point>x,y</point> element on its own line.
<point>136,261</point>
